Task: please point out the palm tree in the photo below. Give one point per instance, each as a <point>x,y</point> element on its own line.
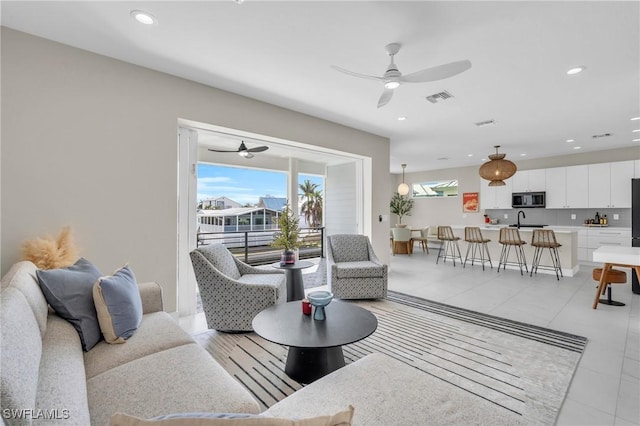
<point>317,209</point>
<point>308,195</point>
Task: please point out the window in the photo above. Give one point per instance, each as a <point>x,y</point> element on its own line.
<point>435,189</point>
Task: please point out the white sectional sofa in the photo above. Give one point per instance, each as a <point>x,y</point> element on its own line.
<point>46,378</point>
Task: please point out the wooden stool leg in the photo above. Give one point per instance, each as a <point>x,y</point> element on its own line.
<point>605,270</point>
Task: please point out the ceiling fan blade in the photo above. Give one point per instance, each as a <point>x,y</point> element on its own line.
<point>355,74</point>
<point>385,97</point>
<point>222,150</point>
<point>437,73</point>
<point>258,149</point>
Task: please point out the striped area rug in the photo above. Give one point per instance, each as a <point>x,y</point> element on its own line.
<point>518,367</point>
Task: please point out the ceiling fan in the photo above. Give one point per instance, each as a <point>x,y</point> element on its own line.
<point>393,78</point>
<point>243,151</point>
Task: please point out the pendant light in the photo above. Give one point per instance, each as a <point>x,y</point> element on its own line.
<point>403,188</point>
<point>497,169</point>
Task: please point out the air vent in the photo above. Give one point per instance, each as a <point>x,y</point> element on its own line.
<point>436,96</point>
<point>604,135</point>
<point>485,123</point>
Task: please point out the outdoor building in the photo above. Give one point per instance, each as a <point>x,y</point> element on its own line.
<point>272,203</point>
<point>237,219</point>
<point>219,203</point>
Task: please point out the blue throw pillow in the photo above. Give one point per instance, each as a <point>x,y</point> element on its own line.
<point>118,304</point>
<point>69,291</point>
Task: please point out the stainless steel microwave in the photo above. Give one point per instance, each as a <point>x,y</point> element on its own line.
<point>521,200</point>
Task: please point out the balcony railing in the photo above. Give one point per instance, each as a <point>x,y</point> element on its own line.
<point>253,247</point>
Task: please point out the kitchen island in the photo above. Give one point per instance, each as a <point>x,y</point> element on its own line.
<point>568,252</point>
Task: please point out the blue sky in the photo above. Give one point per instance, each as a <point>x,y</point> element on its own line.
<point>243,185</point>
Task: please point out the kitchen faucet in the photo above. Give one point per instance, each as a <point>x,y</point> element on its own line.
<point>523,216</point>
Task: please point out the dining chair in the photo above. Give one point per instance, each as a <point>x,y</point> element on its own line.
<point>402,238</point>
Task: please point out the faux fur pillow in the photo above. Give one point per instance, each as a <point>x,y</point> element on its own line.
<point>51,253</point>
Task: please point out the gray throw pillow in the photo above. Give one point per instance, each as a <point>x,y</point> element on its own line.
<point>118,304</point>
<point>69,291</point>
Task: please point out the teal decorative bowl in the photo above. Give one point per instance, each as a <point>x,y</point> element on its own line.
<point>319,299</point>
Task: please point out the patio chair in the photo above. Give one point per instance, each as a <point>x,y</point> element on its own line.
<point>353,269</point>
<point>233,292</point>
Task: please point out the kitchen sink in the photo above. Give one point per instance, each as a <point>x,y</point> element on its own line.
<point>527,225</point>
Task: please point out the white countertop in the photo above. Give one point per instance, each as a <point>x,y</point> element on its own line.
<point>617,255</point>
<point>488,227</point>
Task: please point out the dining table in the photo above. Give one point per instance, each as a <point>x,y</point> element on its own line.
<point>610,256</point>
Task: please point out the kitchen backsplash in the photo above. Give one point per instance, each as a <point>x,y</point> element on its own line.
<point>561,217</point>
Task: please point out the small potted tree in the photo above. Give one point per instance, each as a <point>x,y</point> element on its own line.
<point>401,206</point>
<point>287,237</point>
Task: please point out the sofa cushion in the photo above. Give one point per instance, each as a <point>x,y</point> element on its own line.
<point>158,331</point>
<point>69,291</point>
<point>118,304</point>
<point>21,352</point>
<point>362,269</point>
<point>180,379</point>
<point>343,418</point>
<point>22,276</point>
<point>62,385</point>
<point>221,259</point>
<point>349,248</point>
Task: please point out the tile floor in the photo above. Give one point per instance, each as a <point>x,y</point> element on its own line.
<point>606,386</point>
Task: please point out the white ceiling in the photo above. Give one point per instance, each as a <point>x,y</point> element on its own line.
<point>281,53</point>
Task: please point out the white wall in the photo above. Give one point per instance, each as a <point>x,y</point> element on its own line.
<point>89,141</point>
<point>448,211</point>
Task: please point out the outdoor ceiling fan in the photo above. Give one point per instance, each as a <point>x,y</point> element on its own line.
<point>393,78</point>
<point>243,151</point>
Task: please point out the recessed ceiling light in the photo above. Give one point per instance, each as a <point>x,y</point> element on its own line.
<point>577,147</point>
<point>402,118</point>
<point>570,140</point>
<point>635,118</point>
<point>636,130</point>
<point>144,17</point>
<point>576,70</point>
<point>523,155</point>
<point>469,155</point>
<point>635,140</point>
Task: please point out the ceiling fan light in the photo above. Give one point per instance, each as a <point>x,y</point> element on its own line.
<point>391,85</point>
<point>497,169</point>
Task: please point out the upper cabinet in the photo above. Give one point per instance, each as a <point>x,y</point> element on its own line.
<point>603,185</point>
<point>567,187</point>
<point>610,184</point>
<point>495,197</point>
<point>529,181</point>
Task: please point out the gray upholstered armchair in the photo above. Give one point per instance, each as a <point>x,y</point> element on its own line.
<point>353,269</point>
<point>233,292</point>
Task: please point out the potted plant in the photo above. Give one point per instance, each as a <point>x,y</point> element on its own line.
<point>287,237</point>
<point>401,206</point>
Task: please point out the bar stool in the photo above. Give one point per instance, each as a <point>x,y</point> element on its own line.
<point>613,276</point>
<point>450,244</point>
<point>510,237</point>
<point>476,242</point>
<point>545,239</point>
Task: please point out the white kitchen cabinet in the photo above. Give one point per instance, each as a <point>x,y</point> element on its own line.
<point>610,184</point>
<point>637,168</point>
<point>495,197</point>
<point>529,181</point>
<point>577,187</point>
<point>556,197</point>
<point>567,187</point>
